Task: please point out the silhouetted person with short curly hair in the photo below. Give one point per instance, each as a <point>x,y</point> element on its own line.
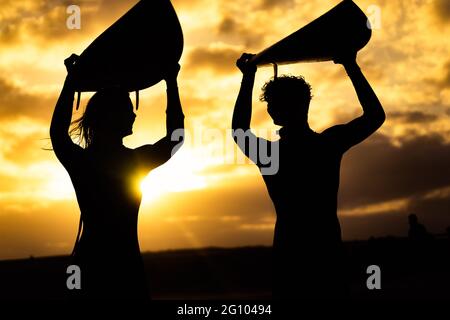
<point>308,253</point>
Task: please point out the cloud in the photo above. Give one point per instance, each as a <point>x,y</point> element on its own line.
<point>442,9</point>
<point>378,170</point>
<point>15,102</point>
<point>432,212</point>
<point>29,229</point>
<point>435,207</point>
<point>23,149</point>
<point>220,59</point>
<point>45,21</point>
<point>412,117</point>
<point>243,34</point>
<point>271,4</point>
<point>446,78</point>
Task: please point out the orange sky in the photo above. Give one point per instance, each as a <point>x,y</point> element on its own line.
<point>206,200</point>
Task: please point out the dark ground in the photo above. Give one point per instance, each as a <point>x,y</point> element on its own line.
<point>407,272</point>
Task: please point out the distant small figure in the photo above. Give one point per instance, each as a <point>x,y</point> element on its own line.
<point>417,231</point>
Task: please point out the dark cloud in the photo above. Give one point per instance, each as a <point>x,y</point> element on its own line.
<point>220,60</point>
<point>392,223</point>
<point>442,80</point>
<point>442,9</point>
<point>381,224</point>
<point>228,25</point>
<point>270,4</point>
<point>248,37</point>
<point>378,171</point>
<point>45,21</point>
<point>431,211</point>
<point>446,79</point>
<point>372,173</point>
<point>412,117</point>
<point>15,102</point>
<point>28,229</point>
<point>28,149</point>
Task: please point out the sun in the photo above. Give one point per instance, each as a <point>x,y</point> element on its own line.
<point>180,173</point>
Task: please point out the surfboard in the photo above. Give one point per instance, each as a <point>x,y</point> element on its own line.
<point>133,53</point>
<point>345,28</point>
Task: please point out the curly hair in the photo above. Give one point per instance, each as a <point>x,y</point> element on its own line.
<point>102,102</point>
<point>286,84</point>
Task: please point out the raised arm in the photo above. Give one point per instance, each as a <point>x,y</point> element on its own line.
<point>152,156</point>
<point>242,115</point>
<point>243,108</point>
<point>373,116</point>
<point>62,144</point>
<point>174,111</point>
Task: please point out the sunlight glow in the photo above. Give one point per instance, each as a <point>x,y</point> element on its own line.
<point>179,174</point>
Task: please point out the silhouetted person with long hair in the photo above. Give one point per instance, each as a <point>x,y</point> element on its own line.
<point>105,175</point>
<point>307,242</point>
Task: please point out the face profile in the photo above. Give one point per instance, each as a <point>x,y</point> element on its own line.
<point>109,114</point>
<point>120,118</point>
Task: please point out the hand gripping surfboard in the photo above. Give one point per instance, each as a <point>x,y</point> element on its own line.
<point>135,52</point>
<point>343,29</point>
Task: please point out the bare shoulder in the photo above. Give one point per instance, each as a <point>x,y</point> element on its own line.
<point>333,130</point>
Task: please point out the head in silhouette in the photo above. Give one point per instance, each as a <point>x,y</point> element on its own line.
<point>288,99</point>
<point>109,116</point>
<point>413,220</point>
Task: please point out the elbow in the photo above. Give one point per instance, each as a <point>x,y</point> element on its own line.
<point>236,131</point>
<point>54,133</point>
<point>176,145</point>
<point>177,138</point>
<point>376,119</point>
<point>237,127</point>
<point>182,136</point>
<point>240,134</point>
<point>381,118</point>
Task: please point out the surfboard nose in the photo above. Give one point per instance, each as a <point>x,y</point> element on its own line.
<point>134,52</point>
<point>343,29</point>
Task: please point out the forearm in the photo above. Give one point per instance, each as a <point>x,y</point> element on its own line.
<point>174,111</point>
<point>243,108</point>
<point>62,115</point>
<point>366,96</point>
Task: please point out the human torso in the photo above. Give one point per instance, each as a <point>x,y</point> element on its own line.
<point>304,189</point>
<point>107,189</point>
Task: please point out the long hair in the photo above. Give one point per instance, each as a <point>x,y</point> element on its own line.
<point>101,103</point>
